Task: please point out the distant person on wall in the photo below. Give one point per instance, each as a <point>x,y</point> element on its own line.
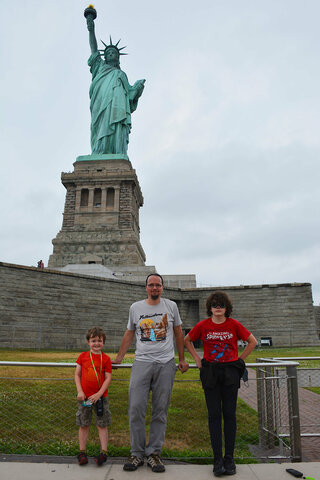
<point>40,264</point>
<point>220,373</point>
<point>93,377</point>
<point>154,322</point>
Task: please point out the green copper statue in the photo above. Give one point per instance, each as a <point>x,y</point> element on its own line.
<point>112,98</point>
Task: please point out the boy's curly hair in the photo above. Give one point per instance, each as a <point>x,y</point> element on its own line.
<point>96,332</point>
<point>222,298</point>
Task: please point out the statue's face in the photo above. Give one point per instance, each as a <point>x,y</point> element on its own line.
<point>111,56</point>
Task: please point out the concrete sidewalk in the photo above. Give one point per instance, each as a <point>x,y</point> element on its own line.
<point>111,471</point>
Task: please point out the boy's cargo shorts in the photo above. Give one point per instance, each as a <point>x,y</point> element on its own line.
<point>84,415</point>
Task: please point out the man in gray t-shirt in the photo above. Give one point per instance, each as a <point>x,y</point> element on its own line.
<point>154,322</point>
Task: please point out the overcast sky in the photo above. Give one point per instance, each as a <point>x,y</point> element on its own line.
<point>225,140</point>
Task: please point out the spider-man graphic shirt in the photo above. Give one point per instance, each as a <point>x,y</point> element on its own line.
<point>220,341</point>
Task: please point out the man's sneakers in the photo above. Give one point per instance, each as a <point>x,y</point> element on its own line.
<point>155,463</point>
<point>229,465</point>
<point>133,463</point>
<point>100,459</point>
<point>82,458</point>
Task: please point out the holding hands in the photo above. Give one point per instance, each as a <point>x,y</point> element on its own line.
<point>183,366</point>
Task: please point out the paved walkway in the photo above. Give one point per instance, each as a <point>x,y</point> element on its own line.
<point>309,406</point>
<point>110,471</point>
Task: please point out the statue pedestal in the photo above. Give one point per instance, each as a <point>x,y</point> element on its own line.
<point>101,214</point>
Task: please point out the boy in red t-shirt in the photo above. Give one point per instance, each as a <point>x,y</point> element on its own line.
<point>93,377</point>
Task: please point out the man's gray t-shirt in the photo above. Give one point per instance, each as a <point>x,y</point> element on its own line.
<point>153,325</point>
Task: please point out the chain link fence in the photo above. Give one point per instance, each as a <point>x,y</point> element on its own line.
<point>38,406</point>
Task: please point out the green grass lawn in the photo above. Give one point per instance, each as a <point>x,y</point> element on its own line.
<point>37,416</point>
<point>285,352</point>
<point>314,389</point>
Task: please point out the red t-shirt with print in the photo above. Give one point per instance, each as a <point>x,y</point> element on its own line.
<point>220,341</point>
<point>89,381</point>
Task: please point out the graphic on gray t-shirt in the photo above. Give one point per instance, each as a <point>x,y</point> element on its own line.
<point>153,330</point>
<point>153,325</point>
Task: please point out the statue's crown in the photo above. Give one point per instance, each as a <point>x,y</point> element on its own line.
<point>111,45</point>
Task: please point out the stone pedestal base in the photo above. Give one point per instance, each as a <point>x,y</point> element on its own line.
<point>101,214</point>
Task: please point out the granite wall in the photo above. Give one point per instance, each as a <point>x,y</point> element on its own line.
<point>51,309</point>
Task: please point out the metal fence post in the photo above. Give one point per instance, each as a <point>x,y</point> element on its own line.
<point>294,416</point>
<point>261,407</point>
<point>270,408</point>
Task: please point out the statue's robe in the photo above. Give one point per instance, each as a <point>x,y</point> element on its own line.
<point>112,100</point>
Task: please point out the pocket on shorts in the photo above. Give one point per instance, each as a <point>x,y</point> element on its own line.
<point>83,415</point>
<point>105,419</point>
<point>78,418</point>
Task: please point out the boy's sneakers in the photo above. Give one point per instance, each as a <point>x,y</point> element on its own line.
<point>100,459</point>
<point>229,465</point>
<point>82,458</point>
<point>155,463</point>
<point>133,463</point>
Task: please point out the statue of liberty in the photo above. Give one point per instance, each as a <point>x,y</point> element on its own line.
<point>112,98</point>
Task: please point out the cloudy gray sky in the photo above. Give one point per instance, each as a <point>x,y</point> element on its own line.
<point>225,140</point>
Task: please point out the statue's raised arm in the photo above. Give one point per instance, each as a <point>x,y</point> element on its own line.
<point>112,98</point>
<point>90,13</point>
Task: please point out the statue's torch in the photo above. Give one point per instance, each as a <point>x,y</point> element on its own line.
<point>90,13</point>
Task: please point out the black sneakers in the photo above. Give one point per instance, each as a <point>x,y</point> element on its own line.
<point>229,465</point>
<point>133,463</point>
<point>218,467</point>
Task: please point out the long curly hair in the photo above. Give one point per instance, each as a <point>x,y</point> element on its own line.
<point>221,298</point>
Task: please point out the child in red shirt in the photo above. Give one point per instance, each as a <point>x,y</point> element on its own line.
<point>220,373</point>
<point>92,378</point>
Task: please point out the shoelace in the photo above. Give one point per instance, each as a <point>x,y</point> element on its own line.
<point>134,460</point>
<point>155,460</point>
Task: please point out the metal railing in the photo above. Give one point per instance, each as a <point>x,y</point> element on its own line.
<point>295,423</point>
<point>308,378</point>
<point>278,398</point>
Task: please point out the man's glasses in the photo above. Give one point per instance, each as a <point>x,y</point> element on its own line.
<point>154,285</point>
<point>216,305</point>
